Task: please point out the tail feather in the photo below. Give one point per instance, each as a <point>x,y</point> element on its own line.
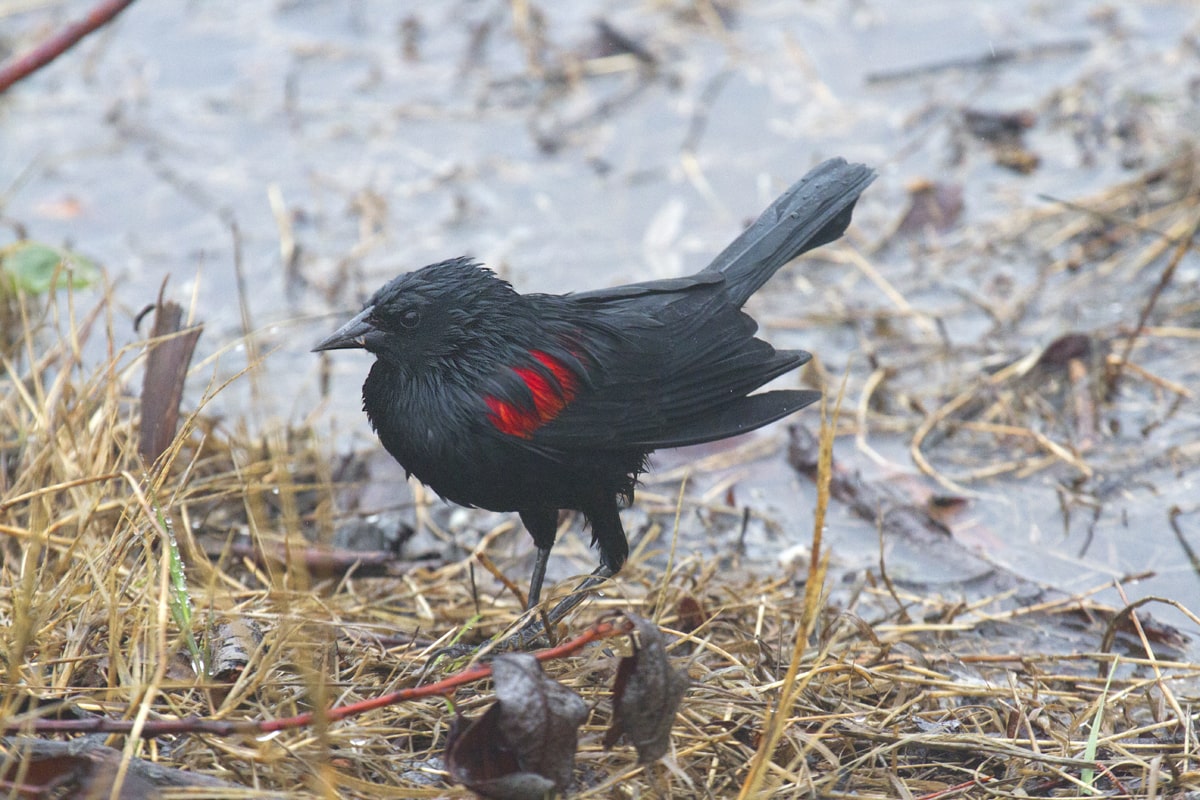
<point>814,211</point>
<point>740,416</point>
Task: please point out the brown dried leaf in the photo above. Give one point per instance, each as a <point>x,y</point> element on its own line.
<point>691,612</point>
<point>84,768</point>
<point>162,385</point>
<point>931,206</point>
<point>646,695</point>
<point>1065,349</point>
<point>76,776</point>
<point>998,126</point>
<point>524,745</point>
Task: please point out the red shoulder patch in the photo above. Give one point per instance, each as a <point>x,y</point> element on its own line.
<point>550,397</point>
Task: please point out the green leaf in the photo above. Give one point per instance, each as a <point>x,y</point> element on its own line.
<point>36,268</point>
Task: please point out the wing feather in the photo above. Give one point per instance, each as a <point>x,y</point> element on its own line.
<point>663,364</point>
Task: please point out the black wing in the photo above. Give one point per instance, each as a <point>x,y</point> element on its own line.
<point>667,364</point>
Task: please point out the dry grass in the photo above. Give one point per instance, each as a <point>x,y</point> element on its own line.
<point>894,694</point>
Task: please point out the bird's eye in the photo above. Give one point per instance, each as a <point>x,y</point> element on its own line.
<point>410,318</point>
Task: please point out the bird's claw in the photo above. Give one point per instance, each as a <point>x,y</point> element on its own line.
<point>529,636</point>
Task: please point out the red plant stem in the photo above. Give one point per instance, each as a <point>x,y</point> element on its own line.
<point>603,628</point>
<point>22,66</point>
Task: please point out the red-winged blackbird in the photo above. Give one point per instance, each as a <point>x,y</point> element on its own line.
<point>535,403</point>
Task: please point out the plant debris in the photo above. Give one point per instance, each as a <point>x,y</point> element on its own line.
<point>524,745</point>
<point>646,696</point>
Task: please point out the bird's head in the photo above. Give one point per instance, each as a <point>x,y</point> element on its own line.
<point>437,314</point>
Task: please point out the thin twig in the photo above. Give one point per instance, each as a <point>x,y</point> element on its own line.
<point>23,66</point>
<point>1113,377</point>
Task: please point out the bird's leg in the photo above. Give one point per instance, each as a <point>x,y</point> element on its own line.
<point>609,535</point>
<point>528,634</point>
<point>542,524</point>
<point>534,629</point>
<point>539,575</point>
<point>579,593</point>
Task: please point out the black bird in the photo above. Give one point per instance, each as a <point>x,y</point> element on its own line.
<point>537,402</point>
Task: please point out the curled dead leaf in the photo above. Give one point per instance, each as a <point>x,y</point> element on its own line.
<point>524,745</point>
<point>646,694</point>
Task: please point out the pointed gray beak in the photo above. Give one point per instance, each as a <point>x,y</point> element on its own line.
<point>351,335</point>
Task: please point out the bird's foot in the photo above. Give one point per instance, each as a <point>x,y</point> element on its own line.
<point>529,636</point>
<point>453,657</point>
